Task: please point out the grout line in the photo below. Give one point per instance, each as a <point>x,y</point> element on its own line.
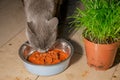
<point>36,77</point>
<point>12,37</point>
<point>114,71</point>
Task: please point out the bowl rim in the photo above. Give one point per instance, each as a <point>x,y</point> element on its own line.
<point>26,61</point>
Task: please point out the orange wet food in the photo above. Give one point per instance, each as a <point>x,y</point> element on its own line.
<point>51,57</point>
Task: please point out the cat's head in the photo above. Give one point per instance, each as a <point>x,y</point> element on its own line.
<point>42,37</point>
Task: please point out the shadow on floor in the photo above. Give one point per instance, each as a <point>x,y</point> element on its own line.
<point>67,9</point>
<point>78,52</point>
<point>65,31</point>
<point>117,58</point>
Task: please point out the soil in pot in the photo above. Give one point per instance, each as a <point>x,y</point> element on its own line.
<point>100,56</point>
<point>53,56</point>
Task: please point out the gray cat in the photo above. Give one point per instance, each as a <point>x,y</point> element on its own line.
<point>42,25</point>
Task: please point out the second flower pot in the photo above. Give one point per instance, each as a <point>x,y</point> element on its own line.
<point>100,56</point>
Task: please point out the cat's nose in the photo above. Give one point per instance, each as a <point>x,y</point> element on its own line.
<point>42,51</point>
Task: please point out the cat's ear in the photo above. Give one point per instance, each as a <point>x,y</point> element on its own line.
<point>31,28</point>
<point>31,35</point>
<point>53,22</point>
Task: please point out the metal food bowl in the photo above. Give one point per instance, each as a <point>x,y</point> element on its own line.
<point>47,70</point>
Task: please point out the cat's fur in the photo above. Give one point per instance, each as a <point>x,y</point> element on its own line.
<point>42,25</point>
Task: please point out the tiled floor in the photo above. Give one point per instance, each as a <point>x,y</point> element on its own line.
<point>12,19</point>
<point>12,35</point>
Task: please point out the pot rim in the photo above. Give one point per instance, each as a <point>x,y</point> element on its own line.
<point>118,42</point>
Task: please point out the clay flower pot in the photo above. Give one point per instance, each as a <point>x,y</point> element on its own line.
<point>100,56</point>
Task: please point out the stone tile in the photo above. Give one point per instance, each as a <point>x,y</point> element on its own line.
<point>12,19</point>
<point>116,75</point>
<point>78,69</point>
<point>11,66</point>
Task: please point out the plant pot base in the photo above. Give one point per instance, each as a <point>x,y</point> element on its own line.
<point>100,67</point>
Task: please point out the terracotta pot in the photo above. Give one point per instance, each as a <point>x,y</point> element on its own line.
<point>100,56</point>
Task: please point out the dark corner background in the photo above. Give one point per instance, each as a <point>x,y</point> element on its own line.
<point>66,9</point>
